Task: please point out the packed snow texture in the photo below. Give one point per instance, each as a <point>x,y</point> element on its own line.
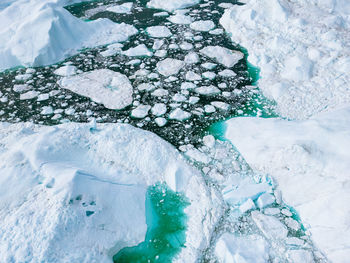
<point>105,86</point>
<point>77,191</point>
<point>40,32</point>
<point>310,161</point>
<point>171,5</point>
<point>302,48</point>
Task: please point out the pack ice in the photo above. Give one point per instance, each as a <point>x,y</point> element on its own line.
<point>39,32</point>
<point>78,191</point>
<point>302,49</point>
<point>171,5</point>
<point>310,162</point>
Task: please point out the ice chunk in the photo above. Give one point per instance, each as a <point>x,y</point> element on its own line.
<point>105,86</point>
<point>209,75</point>
<point>160,121</point>
<point>146,87</point>
<point>223,55</point>
<point>221,105</point>
<point>227,73</point>
<point>120,9</point>
<point>169,66</point>
<point>247,205</point>
<point>192,76</point>
<point>138,51</point>
<point>140,111</point>
<point>270,226</point>
<point>202,25</point>
<point>246,249</point>
<point>29,95</point>
<point>179,115</point>
<point>180,19</point>
<point>159,109</point>
<point>158,31</point>
<point>171,5</point>
<point>207,90</point>
<point>66,71</point>
<point>191,58</point>
<point>265,199</point>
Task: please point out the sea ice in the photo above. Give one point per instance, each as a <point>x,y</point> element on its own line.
<point>158,31</point>
<point>223,55</point>
<point>138,51</point>
<point>202,25</point>
<point>141,111</point>
<point>169,66</point>
<point>105,86</point>
<point>121,9</point>
<point>207,90</point>
<point>172,4</point>
<point>179,115</point>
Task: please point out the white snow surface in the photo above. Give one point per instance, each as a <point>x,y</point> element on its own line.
<point>171,5</point>
<point>42,32</point>
<point>309,159</point>
<point>105,86</point>
<point>53,178</point>
<point>302,48</point>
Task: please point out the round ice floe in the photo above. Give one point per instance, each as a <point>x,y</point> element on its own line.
<point>223,55</point>
<point>105,86</point>
<point>141,111</point>
<point>191,58</point>
<point>158,31</point>
<point>186,46</point>
<point>169,66</point>
<point>202,25</point>
<point>179,115</point>
<point>192,76</point>
<point>160,121</point>
<point>81,189</point>
<point>159,109</point>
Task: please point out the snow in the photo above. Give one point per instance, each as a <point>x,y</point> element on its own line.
<point>78,191</point>
<point>121,9</point>
<point>302,49</point>
<point>158,31</point>
<point>222,55</point>
<point>171,5</point>
<point>138,51</point>
<point>169,66</point>
<point>309,161</point>
<point>105,86</point>
<point>246,249</point>
<point>35,30</point>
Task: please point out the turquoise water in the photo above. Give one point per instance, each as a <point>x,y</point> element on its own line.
<point>166,232</point>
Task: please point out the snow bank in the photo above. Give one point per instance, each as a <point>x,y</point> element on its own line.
<point>76,193</point>
<point>310,161</point>
<point>171,5</point>
<point>302,48</point>
<point>39,32</point>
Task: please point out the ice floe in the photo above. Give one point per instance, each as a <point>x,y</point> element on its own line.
<point>158,31</point>
<point>169,66</point>
<point>222,55</point>
<point>171,5</point>
<point>105,86</point>
<point>202,25</point>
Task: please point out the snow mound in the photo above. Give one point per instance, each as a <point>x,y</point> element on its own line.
<point>310,161</point>
<point>76,193</point>
<point>171,5</point>
<point>38,33</point>
<point>302,49</point>
<point>105,86</point>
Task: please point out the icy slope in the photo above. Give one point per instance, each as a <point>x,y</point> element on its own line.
<point>302,48</point>
<point>38,32</point>
<point>310,162</point>
<point>78,192</point>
